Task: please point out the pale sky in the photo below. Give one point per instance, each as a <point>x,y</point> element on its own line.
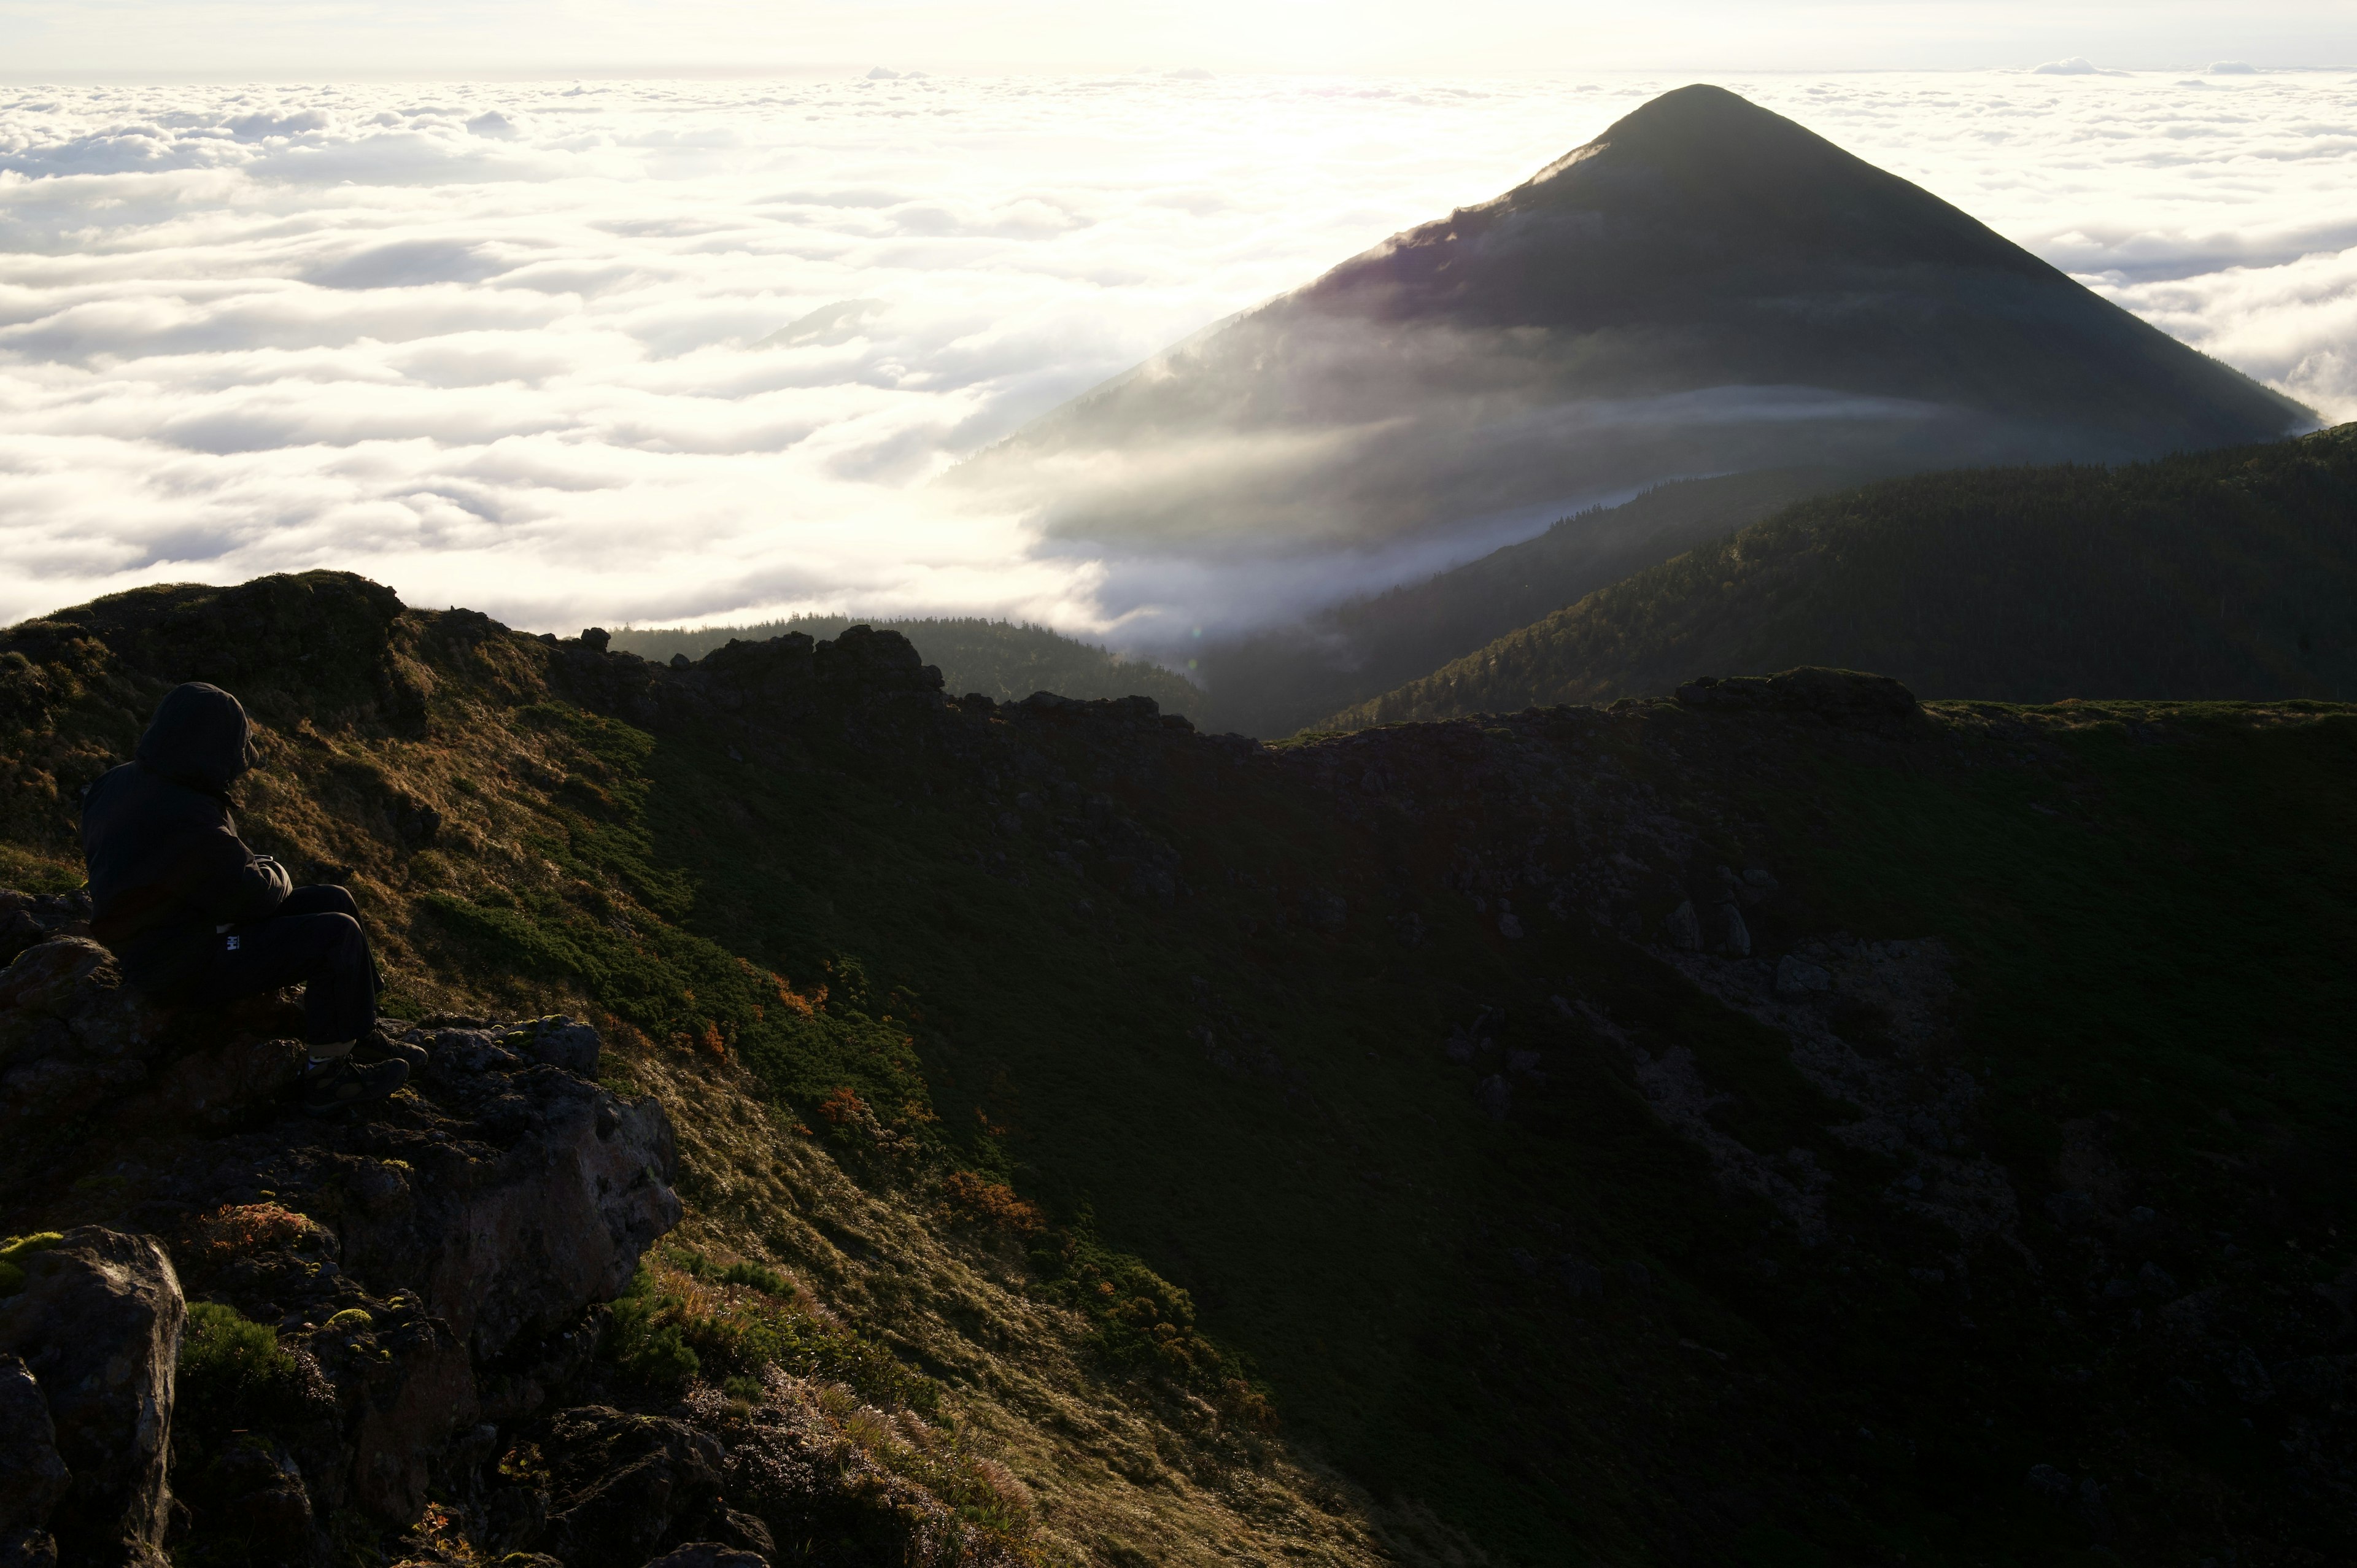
<point>283,39</point>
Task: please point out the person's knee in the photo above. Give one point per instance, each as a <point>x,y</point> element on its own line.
<point>331,899</point>
<point>345,938</point>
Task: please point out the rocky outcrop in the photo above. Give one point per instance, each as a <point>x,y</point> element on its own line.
<point>1845,697</point>
<point>96,1329</point>
<point>72,1037</point>
<point>374,1293</point>
<point>33,1477</point>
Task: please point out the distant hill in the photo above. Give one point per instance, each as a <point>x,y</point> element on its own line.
<point>1707,287</point>
<point>1004,661</point>
<point>1272,682</point>
<point>2222,575</point>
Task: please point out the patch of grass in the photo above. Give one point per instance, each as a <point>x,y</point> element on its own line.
<point>32,873</point>
<point>1143,1323</point>
<point>676,1322</point>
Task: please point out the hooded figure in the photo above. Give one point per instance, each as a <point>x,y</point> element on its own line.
<point>196,918</point>
<point>167,867</point>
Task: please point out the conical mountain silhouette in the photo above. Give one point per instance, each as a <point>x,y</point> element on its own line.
<point>1707,287</point>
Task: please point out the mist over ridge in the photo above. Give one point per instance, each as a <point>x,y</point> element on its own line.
<point>1707,287</point>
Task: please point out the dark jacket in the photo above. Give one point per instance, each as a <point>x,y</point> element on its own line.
<point>166,864</point>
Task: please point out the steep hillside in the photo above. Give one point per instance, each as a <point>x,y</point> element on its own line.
<point>1707,287</point>
<point>1004,661</point>
<point>1786,1126</point>
<point>1274,683</point>
<point>2224,575</point>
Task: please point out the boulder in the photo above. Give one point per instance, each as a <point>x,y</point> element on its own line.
<point>98,1324</point>
<point>1797,977</point>
<point>707,1554</point>
<point>622,1486</point>
<point>72,1035</point>
<point>517,1243</point>
<point>411,1386</point>
<point>216,1086</point>
<point>33,1478</point>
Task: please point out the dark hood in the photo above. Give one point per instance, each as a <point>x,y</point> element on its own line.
<point>199,737</point>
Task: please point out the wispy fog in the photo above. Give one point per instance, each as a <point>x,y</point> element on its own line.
<point>656,351</point>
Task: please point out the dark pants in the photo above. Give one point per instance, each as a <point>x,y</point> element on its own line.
<point>314,940</point>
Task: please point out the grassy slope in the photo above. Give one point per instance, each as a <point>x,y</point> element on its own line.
<point>2225,574</point>
<point>1259,1107</point>
<point>1003,660</point>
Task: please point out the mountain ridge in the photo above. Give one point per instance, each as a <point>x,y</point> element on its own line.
<point>2224,575</point>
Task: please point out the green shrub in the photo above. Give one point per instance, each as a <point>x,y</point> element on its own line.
<point>646,1341</point>
<point>769,1281</point>
<point>234,1373</point>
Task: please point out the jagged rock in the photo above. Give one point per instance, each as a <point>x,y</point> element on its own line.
<point>265,1496</point>
<point>1494,1096</point>
<point>26,918</point>
<point>1683,928</point>
<point>412,1386</point>
<point>216,1086</point>
<point>561,1043</point>
<point>1735,936</point>
<point>99,1323</point>
<point>1797,977</point>
<point>622,1486</point>
<point>72,1036</point>
<point>33,1478</point>
<point>707,1554</point>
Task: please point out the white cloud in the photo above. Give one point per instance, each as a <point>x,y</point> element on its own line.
<point>592,352</point>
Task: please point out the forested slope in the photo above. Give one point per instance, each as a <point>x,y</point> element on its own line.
<point>2219,575</point>
<point>1271,683</point>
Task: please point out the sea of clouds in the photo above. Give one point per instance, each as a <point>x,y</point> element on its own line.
<point>656,351</point>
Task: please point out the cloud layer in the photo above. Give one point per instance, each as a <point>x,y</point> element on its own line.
<point>648,351</point>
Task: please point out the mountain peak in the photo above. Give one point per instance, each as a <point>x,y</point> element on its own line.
<point>1707,287</point>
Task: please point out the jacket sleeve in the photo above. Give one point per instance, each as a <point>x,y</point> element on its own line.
<point>242,886</point>
<point>263,885</point>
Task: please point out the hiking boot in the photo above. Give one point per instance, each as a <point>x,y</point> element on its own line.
<point>330,1087</point>
<point>385,1044</point>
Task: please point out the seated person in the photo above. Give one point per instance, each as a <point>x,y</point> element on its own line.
<point>197,918</point>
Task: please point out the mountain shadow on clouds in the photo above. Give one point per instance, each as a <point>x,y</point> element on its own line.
<point>1707,287</point>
